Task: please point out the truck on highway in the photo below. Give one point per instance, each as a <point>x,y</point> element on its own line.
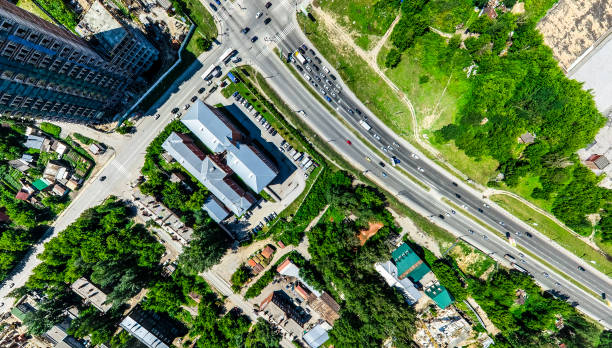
<point>519,268</point>
<point>207,75</point>
<point>298,56</point>
<point>365,125</point>
<point>509,258</point>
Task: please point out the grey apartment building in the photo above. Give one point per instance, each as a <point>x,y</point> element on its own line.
<point>48,72</point>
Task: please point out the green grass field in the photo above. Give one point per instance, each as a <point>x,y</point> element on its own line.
<point>361,79</point>
<point>437,100</point>
<point>29,6</point>
<point>447,14</point>
<point>555,232</point>
<point>363,18</point>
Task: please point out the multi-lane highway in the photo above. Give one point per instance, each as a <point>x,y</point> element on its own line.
<point>283,31</point>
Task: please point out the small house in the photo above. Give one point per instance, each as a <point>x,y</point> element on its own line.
<point>59,190</point>
<point>34,142</point>
<point>526,138</point>
<point>97,149</point>
<point>596,162</point>
<point>22,196</point>
<point>267,252</point>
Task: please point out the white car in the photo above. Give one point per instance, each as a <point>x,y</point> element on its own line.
<point>258,15</point>
<point>415,156</point>
<point>325,69</point>
<point>306,76</point>
<point>421,170</point>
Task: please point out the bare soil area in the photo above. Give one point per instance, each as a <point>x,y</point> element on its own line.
<point>572,26</point>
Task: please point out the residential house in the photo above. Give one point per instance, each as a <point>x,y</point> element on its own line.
<point>19,164</point>
<point>72,184</point>
<point>304,292</point>
<point>41,184</point>
<point>90,294</point>
<point>596,162</point>
<point>58,334</point>
<point>165,155</point>
<point>59,190</point>
<point>267,252</point>
<point>154,330</point>
<point>490,12</point>
<point>27,158</point>
<point>54,170</point>
<point>34,142</point>
<point>176,177</point>
<point>59,147</point>
<point>22,195</point>
<point>438,294</point>
<point>215,209</point>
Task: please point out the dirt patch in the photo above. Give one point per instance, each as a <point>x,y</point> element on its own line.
<point>485,275</point>
<point>571,27</point>
<point>417,236</point>
<point>364,235</point>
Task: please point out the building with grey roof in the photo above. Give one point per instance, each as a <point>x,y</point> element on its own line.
<point>215,209</point>
<point>210,171</point>
<point>152,329</point>
<point>220,135</point>
<point>34,142</point>
<point>211,127</point>
<point>251,166</point>
<point>91,294</point>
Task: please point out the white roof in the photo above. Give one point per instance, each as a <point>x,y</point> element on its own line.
<point>143,335</point>
<point>317,335</point>
<point>388,271</point>
<point>207,126</point>
<point>249,167</point>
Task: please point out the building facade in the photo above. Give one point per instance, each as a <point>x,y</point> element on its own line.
<point>48,72</point>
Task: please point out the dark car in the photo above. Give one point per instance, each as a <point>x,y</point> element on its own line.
<point>381,163</point>
<point>102,178</point>
<point>301,50</point>
<point>299,68</point>
<point>218,2</point>
<point>312,52</point>
<point>480,210</point>
<point>194,98</point>
<point>317,60</point>
<point>357,111</point>
<point>175,110</point>
<point>528,234</point>
<point>245,30</point>
<point>332,76</point>
<point>268,4</point>
<point>316,67</point>
<point>212,6</point>
<point>267,20</point>
<point>201,90</point>
<point>457,195</point>
<point>254,38</point>
<point>581,268</point>
<point>454,183</point>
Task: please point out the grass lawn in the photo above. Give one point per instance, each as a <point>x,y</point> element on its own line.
<point>536,9</point>
<point>200,16</point>
<point>552,230</point>
<point>363,18</point>
<point>524,189</point>
<point>437,100</point>
<point>29,6</point>
<point>447,14</point>
<point>479,171</point>
<point>361,79</point>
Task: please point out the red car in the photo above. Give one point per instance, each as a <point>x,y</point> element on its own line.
<point>349,142</point>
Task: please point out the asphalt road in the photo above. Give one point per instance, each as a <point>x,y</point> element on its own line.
<point>284,32</point>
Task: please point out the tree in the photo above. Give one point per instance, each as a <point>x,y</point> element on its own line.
<point>207,247</point>
<point>11,144</point>
<point>203,44</point>
<point>262,336</point>
<point>393,58</point>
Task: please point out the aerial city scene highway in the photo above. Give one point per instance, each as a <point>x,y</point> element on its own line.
<point>295,173</point>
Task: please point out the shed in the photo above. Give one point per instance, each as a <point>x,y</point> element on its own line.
<point>439,295</point>
<point>232,77</point>
<point>317,335</point>
<point>527,138</point>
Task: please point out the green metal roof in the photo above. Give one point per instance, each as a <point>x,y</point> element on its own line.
<point>40,184</point>
<point>405,259</point>
<point>439,295</point>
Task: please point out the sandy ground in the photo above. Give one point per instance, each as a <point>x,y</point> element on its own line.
<point>572,26</point>
<point>416,235</point>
